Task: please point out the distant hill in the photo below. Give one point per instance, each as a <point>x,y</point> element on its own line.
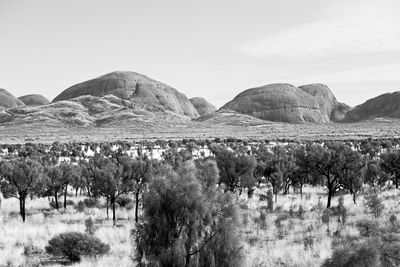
<point>128,98</point>
<point>149,94</point>
<point>34,100</point>
<point>386,105</point>
<point>88,111</point>
<point>287,103</point>
<point>202,106</point>
<point>7,100</point>
<point>231,117</point>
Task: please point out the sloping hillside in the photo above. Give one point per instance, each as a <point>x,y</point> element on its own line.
<point>136,88</point>
<point>386,105</point>
<point>286,103</point>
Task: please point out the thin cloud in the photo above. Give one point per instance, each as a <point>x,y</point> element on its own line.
<point>351,27</point>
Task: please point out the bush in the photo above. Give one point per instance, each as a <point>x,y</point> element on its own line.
<point>368,228</point>
<point>393,220</point>
<point>91,202</point>
<point>74,245</point>
<point>325,218</point>
<point>80,207</point>
<point>375,246</point>
<point>123,201</point>
<point>374,204</point>
<point>130,206</point>
<point>70,202</point>
<point>52,203</point>
<point>263,220</point>
<point>366,254</point>
<point>90,227</point>
<point>300,212</point>
<point>244,206</point>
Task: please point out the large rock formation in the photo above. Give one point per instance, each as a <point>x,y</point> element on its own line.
<point>34,100</point>
<point>386,105</point>
<point>202,106</point>
<point>287,103</point>
<point>136,88</point>
<point>330,108</point>
<point>7,100</point>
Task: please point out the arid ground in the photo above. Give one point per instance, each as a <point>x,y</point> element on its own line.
<point>198,130</point>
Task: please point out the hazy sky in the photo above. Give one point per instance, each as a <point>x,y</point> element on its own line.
<point>209,48</point>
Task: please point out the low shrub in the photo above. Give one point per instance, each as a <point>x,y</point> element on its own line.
<point>123,201</point>
<point>74,245</point>
<point>375,246</point>
<point>90,226</point>
<point>263,220</point>
<point>52,203</point>
<point>70,202</point>
<point>80,207</point>
<point>91,202</point>
<point>253,240</point>
<point>393,220</point>
<point>300,212</point>
<point>374,204</point>
<point>130,206</point>
<point>244,206</point>
<point>30,250</point>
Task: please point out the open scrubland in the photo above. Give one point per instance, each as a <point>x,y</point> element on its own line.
<point>245,203</point>
<point>224,125</point>
<point>299,239</point>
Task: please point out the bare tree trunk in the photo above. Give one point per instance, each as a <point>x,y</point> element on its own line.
<point>187,247</point>
<point>65,196</point>
<point>56,199</point>
<point>107,202</point>
<point>113,207</point>
<point>137,206</point>
<point>301,191</point>
<point>22,207</point>
<point>330,195</point>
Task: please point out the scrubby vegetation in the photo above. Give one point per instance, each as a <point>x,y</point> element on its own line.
<point>74,245</point>
<point>202,203</point>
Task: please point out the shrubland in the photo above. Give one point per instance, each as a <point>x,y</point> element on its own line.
<point>242,203</point>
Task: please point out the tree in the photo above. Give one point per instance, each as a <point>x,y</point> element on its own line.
<point>374,176</point>
<point>52,182</point>
<point>301,174</point>
<point>112,179</point>
<point>390,164</point>
<point>340,166</point>
<point>137,171</point>
<point>88,170</point>
<point>276,180</point>
<point>20,178</point>
<point>207,173</point>
<point>264,168</point>
<point>176,157</point>
<point>69,173</point>
<point>236,170</point>
<point>184,226</point>
<point>277,166</point>
<point>283,162</point>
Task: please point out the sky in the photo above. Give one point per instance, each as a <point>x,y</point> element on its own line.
<point>209,48</point>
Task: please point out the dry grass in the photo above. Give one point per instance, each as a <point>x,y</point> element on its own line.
<point>38,229</point>
<point>287,245</point>
<point>271,246</point>
<point>38,133</point>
